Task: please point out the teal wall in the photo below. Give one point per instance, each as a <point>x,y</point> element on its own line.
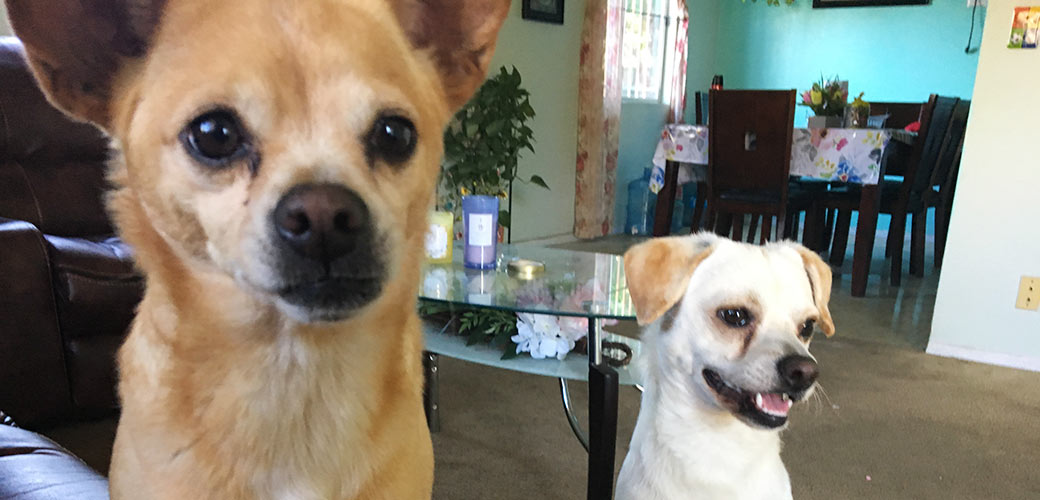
<point>894,53</point>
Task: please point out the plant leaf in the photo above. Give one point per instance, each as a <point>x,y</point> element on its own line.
<point>504,219</point>
<point>509,352</point>
<point>536,179</point>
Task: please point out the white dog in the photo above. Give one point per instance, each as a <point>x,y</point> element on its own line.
<point>727,355</point>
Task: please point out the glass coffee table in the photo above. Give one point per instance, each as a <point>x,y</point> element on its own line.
<point>580,285</point>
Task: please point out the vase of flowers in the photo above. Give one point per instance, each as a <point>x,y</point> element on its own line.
<point>827,99</point>
<point>857,114</point>
<point>482,146</point>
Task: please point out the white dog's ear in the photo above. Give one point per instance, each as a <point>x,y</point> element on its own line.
<point>658,272</point>
<point>460,35</point>
<point>77,47</point>
<point>819,274</point>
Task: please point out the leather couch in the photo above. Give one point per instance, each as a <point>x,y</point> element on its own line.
<point>33,467</point>
<point>68,287</point>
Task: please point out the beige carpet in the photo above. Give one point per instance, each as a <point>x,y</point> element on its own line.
<point>891,422</point>
<point>894,424</point>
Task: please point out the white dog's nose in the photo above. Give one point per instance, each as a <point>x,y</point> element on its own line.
<point>798,372</point>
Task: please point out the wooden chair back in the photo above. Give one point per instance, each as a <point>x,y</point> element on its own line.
<point>952,144</point>
<point>750,141</point>
<point>900,114</point>
<point>936,117</point>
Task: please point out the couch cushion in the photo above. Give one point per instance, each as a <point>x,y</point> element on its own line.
<point>33,467</point>
<point>52,168</point>
<point>97,289</point>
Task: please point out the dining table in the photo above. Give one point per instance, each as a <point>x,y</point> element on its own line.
<point>836,155</point>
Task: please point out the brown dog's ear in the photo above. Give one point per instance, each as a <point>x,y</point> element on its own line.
<point>819,274</point>
<point>460,35</point>
<point>76,47</point>
<point>658,272</point>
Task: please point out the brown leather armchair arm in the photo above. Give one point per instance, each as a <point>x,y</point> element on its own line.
<point>33,381</point>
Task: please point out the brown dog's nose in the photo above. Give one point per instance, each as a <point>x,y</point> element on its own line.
<point>321,221</point>
<point>799,372</point>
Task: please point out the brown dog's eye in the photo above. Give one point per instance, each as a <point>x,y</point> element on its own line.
<point>392,139</point>
<point>807,330</point>
<point>215,138</point>
<point>737,318</point>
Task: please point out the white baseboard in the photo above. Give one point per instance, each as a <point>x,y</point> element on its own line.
<point>993,358</point>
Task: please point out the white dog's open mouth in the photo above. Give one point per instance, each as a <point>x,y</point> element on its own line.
<point>765,409</point>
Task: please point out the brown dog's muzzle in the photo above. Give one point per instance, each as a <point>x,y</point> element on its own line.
<point>328,258</point>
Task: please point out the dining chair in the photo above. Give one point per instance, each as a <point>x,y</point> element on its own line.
<point>900,114</point>
<point>750,133</point>
<point>943,183</point>
<point>700,102</point>
<point>898,197</point>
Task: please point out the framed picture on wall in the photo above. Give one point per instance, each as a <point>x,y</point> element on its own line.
<point>818,4</point>
<point>548,11</point>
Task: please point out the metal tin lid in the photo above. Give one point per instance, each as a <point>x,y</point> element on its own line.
<point>525,269</point>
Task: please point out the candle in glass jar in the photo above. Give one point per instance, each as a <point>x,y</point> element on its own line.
<point>439,237</point>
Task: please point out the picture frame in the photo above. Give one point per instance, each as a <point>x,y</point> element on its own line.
<point>546,11</point>
<point>821,4</point>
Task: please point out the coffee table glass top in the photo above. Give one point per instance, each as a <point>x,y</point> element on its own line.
<point>581,284</point>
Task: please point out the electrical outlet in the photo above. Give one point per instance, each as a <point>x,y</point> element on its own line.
<point>1028,293</point>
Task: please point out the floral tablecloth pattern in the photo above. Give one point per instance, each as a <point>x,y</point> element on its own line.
<point>834,154</point>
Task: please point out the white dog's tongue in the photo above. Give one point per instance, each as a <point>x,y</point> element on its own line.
<point>773,403</point>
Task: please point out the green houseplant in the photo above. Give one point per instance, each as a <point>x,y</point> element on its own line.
<point>483,143</point>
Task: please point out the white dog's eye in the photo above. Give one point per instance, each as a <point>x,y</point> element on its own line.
<point>737,318</point>
<point>808,327</point>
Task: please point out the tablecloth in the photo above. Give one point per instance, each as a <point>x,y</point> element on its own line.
<point>835,154</point>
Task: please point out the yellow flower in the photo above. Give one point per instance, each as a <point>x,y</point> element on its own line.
<point>464,191</point>
<point>817,97</point>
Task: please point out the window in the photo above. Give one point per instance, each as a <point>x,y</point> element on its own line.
<point>648,49</point>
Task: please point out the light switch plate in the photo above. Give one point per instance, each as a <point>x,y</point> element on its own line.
<point>982,3</point>
<point>1028,293</point>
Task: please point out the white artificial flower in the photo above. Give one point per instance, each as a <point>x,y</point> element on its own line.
<point>541,335</point>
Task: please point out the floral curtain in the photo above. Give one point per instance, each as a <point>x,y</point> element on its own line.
<point>677,71</point>
<point>599,114</point>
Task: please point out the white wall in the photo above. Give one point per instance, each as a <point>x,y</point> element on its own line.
<point>994,234</point>
<point>547,56</point>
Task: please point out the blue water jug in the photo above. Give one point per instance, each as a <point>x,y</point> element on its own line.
<point>641,203</point>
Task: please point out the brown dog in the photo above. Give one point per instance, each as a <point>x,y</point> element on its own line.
<point>274,163</point>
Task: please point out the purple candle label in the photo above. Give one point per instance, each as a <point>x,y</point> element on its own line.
<point>481,233</point>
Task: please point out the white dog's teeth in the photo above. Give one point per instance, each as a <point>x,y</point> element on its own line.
<point>786,397</point>
<point>758,399</point>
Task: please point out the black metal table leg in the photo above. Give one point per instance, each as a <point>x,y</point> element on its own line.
<point>603,406</point>
<point>430,391</point>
